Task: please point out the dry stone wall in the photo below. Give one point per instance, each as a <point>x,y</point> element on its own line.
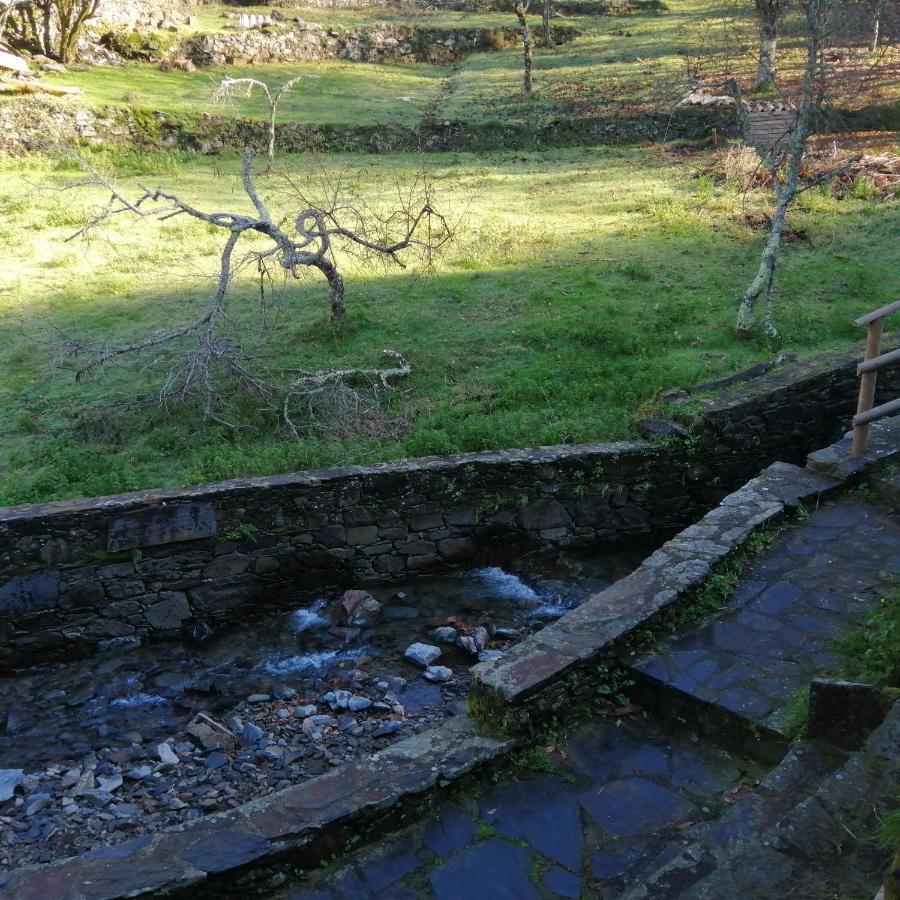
<point>300,41</point>
<point>79,574</point>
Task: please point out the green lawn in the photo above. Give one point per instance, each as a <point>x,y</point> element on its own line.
<point>332,93</point>
<point>620,65</point>
<point>581,283</point>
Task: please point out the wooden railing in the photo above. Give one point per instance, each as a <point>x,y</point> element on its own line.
<point>873,360</point>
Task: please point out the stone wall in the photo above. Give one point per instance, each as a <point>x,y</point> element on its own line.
<point>300,41</point>
<point>80,573</point>
<point>30,123</point>
<point>145,13</point>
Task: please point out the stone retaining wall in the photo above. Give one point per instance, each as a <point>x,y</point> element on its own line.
<point>24,126</point>
<point>80,573</point>
<point>307,41</point>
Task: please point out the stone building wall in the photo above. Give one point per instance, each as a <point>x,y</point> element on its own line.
<point>80,573</point>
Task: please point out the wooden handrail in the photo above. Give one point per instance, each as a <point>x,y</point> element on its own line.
<point>880,313</point>
<point>879,362</point>
<point>877,412</point>
<point>873,360</point>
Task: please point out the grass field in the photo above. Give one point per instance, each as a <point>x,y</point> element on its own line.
<point>581,283</point>
<point>620,65</point>
<point>333,93</point>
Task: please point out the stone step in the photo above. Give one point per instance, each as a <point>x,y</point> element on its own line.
<point>742,673</point>
<point>706,847</point>
<point>836,460</point>
<point>822,847</point>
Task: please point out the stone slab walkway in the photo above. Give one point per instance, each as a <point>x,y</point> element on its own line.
<point>819,580</point>
<point>619,792</point>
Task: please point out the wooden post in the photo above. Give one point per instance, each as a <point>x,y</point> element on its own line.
<point>867,386</point>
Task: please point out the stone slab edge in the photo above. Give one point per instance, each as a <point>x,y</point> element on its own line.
<point>569,647</point>
<point>836,461</point>
<point>238,851</point>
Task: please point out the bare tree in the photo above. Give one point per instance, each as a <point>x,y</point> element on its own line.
<point>785,166</point>
<point>546,13</point>
<point>521,11</point>
<point>769,14</point>
<point>229,88</point>
<point>52,26</point>
<point>305,240</point>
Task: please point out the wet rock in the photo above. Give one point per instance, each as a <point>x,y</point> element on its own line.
<point>215,760</point>
<point>251,734</point>
<point>110,783</point>
<point>259,698</point>
<point>284,693</point>
<point>467,644</point>
<point>10,779</point>
<point>357,703</point>
<point>36,803</point>
<point>304,712</point>
<point>210,733</point>
<point>438,674</point>
<point>422,654</point>
<point>167,755</point>
<point>337,699</point>
<point>387,728</point>
<point>361,607</point>
<point>481,637</point>
<point>97,799</point>
<point>507,634</point>
<point>488,655</point>
<point>444,635</point>
<point>139,773</point>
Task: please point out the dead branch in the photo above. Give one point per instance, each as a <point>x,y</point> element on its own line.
<point>306,240</point>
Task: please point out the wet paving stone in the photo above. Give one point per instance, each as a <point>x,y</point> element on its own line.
<point>619,792</point>
<point>627,807</point>
<point>492,870</point>
<point>818,581</point>
<point>541,811</point>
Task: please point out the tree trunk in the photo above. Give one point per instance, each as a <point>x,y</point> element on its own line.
<point>877,9</point>
<point>270,153</point>
<point>528,81</point>
<point>336,285</point>
<point>546,12</point>
<point>768,13</point>
<point>761,286</point>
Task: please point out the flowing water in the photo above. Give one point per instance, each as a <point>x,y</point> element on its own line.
<point>145,693</point>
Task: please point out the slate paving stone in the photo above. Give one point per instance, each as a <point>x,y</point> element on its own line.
<point>777,599</point>
<point>634,805</point>
<point>700,773</point>
<point>816,582</point>
<point>607,865</point>
<point>389,867</point>
<point>562,883</point>
<point>541,811</point>
<point>746,702</point>
<point>450,831</point>
<point>648,760</point>
<point>490,870</point>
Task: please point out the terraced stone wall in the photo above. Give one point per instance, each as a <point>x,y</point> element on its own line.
<point>80,573</point>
